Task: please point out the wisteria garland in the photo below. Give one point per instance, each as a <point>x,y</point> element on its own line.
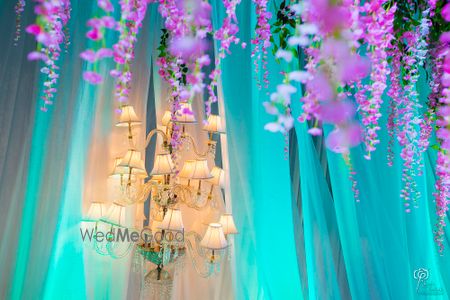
<point>396,94</point>
<point>378,35</point>
<point>225,35</point>
<point>442,194</point>
<point>19,8</point>
<point>96,33</point>
<point>132,14</point>
<point>52,16</point>
<point>261,41</point>
<point>182,53</point>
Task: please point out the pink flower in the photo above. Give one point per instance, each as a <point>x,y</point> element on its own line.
<point>187,47</point>
<point>104,52</point>
<point>336,112</point>
<point>320,87</point>
<point>35,55</point>
<point>109,22</point>
<point>340,139</point>
<point>446,12</point>
<point>445,38</point>
<point>88,55</point>
<point>34,29</point>
<point>92,77</point>
<point>354,68</point>
<point>94,34</point>
<point>106,5</point>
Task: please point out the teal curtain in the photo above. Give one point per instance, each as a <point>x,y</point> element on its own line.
<point>43,163</point>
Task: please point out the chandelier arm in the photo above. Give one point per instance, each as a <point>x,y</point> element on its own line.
<point>99,248</point>
<point>112,246</point>
<point>203,271</point>
<point>145,192</point>
<point>188,200</point>
<point>194,146</point>
<point>197,238</point>
<point>157,131</point>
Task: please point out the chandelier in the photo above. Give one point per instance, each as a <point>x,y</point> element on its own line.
<point>173,182</point>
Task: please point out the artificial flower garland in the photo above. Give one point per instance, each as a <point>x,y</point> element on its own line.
<point>48,31</point>
<point>261,41</point>
<point>19,8</point>
<point>442,194</point>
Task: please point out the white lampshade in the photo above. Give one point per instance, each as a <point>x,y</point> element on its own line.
<point>188,169</point>
<point>155,226</point>
<point>96,211</point>
<point>228,225</point>
<point>124,172</point>
<point>116,214</point>
<point>132,159</point>
<point>214,124</point>
<point>218,177</point>
<point>167,117</point>
<point>182,117</point>
<point>128,117</point>
<point>214,237</point>
<point>201,170</point>
<point>163,165</point>
<point>172,220</point>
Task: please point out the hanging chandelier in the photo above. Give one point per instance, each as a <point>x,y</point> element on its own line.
<point>173,182</point>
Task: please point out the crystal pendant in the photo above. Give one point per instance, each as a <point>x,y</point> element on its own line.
<point>158,284</point>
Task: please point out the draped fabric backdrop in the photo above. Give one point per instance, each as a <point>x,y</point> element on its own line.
<point>302,235</point>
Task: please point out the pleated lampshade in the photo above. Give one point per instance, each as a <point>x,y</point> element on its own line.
<point>201,170</point>
<point>181,116</point>
<point>132,159</point>
<point>228,225</point>
<point>188,169</point>
<point>163,165</point>
<point>167,117</point>
<point>214,124</point>
<point>218,177</point>
<point>172,220</point>
<point>214,237</point>
<point>128,117</point>
<point>116,214</point>
<point>124,172</point>
<point>96,211</point>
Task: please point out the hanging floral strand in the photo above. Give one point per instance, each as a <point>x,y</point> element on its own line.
<point>96,33</point>
<point>378,34</point>
<point>261,41</point>
<point>182,53</point>
<point>225,35</point>
<point>52,16</point>
<point>132,14</point>
<point>409,124</point>
<point>19,8</point>
<point>396,95</point>
<point>442,194</point>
